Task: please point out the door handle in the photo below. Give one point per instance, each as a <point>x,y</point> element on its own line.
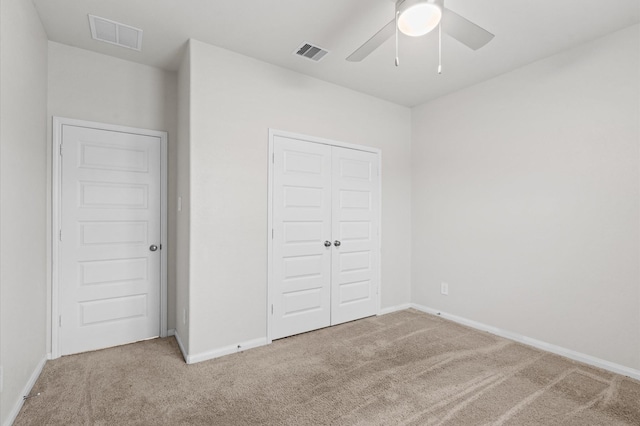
<point>337,243</point>
<point>327,243</point>
<point>153,247</point>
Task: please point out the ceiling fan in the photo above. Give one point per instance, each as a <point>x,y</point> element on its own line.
<point>419,17</point>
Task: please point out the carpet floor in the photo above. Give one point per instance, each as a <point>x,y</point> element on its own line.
<point>404,368</point>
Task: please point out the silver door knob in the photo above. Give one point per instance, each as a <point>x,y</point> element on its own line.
<point>327,243</point>
<point>337,243</point>
<point>153,247</point>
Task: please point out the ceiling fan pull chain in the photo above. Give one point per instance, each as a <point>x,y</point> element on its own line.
<point>397,56</point>
<point>440,48</point>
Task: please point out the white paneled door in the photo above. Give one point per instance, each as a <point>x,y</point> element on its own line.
<point>355,200</point>
<point>109,276</point>
<point>325,235</point>
<point>301,225</point>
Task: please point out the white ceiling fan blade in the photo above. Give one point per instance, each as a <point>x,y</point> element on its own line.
<point>373,43</point>
<point>465,31</point>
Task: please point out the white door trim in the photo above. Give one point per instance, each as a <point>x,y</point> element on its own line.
<point>272,134</point>
<point>56,205</point>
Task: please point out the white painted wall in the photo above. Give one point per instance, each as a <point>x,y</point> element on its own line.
<point>525,188</point>
<point>234,101</point>
<point>95,87</point>
<point>183,190</point>
<point>23,185</point>
<point>526,193</point>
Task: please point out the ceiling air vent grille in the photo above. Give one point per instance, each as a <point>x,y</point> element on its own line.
<point>309,51</point>
<point>115,33</point>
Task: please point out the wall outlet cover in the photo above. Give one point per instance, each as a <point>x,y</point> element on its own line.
<point>444,288</point>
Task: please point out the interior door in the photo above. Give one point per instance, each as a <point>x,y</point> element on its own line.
<point>110,263</point>
<point>301,226</point>
<point>355,201</point>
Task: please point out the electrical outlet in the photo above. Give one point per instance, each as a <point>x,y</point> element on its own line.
<point>444,288</point>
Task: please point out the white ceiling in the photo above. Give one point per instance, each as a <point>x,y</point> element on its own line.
<point>270,30</point>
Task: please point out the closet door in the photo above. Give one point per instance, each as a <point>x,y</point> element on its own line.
<point>301,297</point>
<point>355,233</point>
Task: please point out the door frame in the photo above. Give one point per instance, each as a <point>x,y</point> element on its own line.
<point>270,285</point>
<point>56,209</point>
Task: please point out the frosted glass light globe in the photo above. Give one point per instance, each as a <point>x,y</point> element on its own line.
<point>418,17</point>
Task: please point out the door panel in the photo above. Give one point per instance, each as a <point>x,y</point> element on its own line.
<point>111,205</point>
<point>301,224</point>
<point>354,279</point>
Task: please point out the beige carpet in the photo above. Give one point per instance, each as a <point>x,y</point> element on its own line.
<point>405,368</point>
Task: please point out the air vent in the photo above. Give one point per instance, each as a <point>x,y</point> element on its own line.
<point>309,51</point>
<point>115,33</point>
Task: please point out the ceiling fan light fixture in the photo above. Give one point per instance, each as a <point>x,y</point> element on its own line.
<point>418,17</point>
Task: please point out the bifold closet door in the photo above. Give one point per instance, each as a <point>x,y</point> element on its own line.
<point>325,235</point>
<point>301,225</point>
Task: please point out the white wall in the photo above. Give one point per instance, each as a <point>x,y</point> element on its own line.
<point>526,200</point>
<point>94,87</point>
<point>234,101</point>
<point>23,184</point>
<point>183,190</point>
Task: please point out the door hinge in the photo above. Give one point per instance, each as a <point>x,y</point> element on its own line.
<point>59,320</point>
<point>60,234</point>
<point>61,149</point>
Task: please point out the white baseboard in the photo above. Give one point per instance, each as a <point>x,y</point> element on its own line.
<point>384,311</point>
<point>558,350</point>
<point>216,353</point>
<point>26,391</point>
<point>181,346</point>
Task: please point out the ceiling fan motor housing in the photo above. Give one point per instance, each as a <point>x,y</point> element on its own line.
<point>418,17</point>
